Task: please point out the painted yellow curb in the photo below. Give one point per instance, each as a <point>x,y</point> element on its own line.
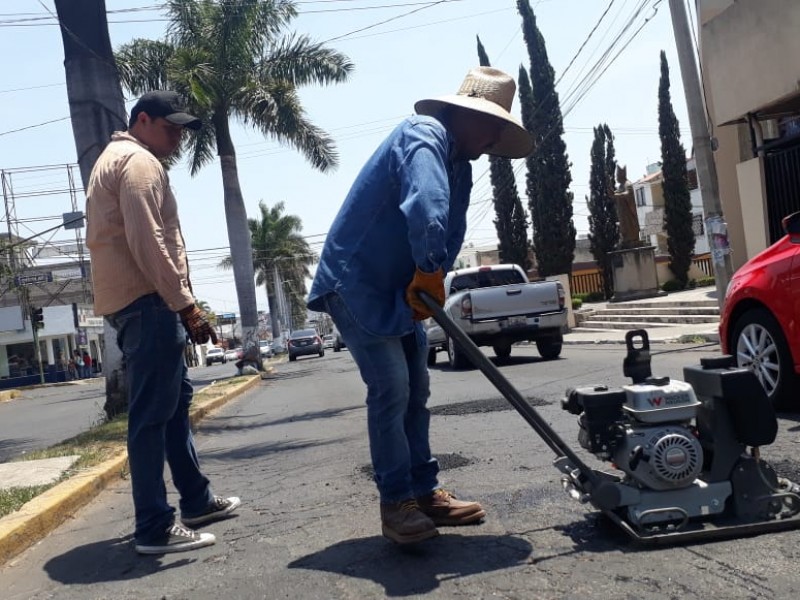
<point>23,528</point>
<point>41,515</point>
<point>6,395</point>
<point>207,400</point>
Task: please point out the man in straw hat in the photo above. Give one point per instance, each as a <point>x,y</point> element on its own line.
<point>397,233</point>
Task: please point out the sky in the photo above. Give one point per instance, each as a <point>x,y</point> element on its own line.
<point>402,51</point>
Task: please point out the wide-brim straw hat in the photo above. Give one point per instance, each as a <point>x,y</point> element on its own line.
<point>488,91</point>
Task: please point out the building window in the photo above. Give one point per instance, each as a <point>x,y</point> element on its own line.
<point>692,179</point>
<point>697,225</point>
<point>640,197</point>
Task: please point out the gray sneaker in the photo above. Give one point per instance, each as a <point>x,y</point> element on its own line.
<point>178,539</point>
<point>218,509</point>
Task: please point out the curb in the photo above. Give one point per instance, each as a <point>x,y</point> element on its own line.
<point>37,518</point>
<point>677,339</point>
<point>7,395</point>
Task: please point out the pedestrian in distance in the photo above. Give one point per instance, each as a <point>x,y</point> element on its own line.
<point>397,233</point>
<point>79,364</point>
<point>87,365</point>
<point>72,369</point>
<point>142,287</point>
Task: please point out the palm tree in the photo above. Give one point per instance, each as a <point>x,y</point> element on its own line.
<point>206,308</point>
<point>281,255</point>
<point>232,59</point>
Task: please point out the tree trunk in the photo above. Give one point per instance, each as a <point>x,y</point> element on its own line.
<point>97,108</point>
<point>272,302</point>
<point>238,235</point>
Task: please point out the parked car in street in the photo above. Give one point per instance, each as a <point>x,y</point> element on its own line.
<point>760,320</point>
<point>215,355</point>
<point>265,348</point>
<point>233,354</point>
<point>327,341</point>
<point>338,341</point>
<point>304,342</point>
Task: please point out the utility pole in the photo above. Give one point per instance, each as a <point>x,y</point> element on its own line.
<point>716,230</point>
<point>38,351</point>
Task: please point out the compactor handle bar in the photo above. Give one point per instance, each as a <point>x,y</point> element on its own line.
<point>509,392</point>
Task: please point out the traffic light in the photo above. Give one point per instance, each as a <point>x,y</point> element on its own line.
<point>37,318</point>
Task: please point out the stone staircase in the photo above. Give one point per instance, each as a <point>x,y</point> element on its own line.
<point>642,314</point>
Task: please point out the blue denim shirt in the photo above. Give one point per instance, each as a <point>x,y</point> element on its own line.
<point>406,209</point>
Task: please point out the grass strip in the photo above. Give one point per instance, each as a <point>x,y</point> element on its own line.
<point>99,443</point>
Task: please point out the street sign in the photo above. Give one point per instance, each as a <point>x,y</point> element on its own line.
<point>29,278</point>
<point>73,220</point>
<point>226,318</point>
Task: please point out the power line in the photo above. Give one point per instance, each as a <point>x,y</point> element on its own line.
<point>586,41</point>
<point>33,126</point>
<point>396,17</point>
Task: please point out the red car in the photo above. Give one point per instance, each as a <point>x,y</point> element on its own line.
<point>760,322</point>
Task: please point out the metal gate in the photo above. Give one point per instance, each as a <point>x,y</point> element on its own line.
<point>783,187</point>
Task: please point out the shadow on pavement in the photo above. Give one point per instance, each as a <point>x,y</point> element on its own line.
<point>263,449</point>
<point>511,361</point>
<point>219,424</point>
<point>418,568</point>
<point>107,560</point>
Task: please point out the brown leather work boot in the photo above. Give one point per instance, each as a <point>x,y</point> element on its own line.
<point>405,523</point>
<point>445,509</point>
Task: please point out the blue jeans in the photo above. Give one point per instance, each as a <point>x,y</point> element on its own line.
<point>152,340</point>
<point>396,373</point>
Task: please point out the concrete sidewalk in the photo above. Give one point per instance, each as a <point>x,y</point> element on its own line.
<point>706,332</point>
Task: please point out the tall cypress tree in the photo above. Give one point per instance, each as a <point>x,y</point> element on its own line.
<point>510,223</point>
<point>677,201</point>
<point>526,110</point>
<point>549,198</point>
<point>603,221</point>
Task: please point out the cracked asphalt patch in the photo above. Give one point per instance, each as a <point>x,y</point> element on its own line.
<point>485,405</point>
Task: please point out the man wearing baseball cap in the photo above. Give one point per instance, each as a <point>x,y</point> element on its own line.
<point>141,286</point>
<point>397,233</point>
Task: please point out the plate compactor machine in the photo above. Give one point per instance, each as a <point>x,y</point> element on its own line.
<point>684,454</point>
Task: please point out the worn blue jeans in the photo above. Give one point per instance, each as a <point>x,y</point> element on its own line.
<point>396,373</point>
<point>152,340</point>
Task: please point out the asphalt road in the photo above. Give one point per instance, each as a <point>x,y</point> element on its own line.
<point>295,450</point>
<point>46,415</point>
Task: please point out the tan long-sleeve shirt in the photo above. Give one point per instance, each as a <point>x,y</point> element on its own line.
<point>133,232</point>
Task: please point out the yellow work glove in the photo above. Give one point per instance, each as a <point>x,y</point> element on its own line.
<point>433,284</point>
<point>195,321</point>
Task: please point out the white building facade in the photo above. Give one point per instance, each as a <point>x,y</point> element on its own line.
<point>649,197</point>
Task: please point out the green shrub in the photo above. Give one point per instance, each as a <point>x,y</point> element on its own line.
<point>594,297</point>
<point>673,285</point>
<point>589,297</point>
<point>576,303</point>
<point>706,281</point>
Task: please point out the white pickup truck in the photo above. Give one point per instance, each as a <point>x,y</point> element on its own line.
<point>497,306</point>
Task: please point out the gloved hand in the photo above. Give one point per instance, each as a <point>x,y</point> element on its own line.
<point>433,284</point>
<point>195,320</point>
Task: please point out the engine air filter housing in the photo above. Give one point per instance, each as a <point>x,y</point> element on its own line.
<point>655,403</point>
